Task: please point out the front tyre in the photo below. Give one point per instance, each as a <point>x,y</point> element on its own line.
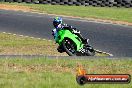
<point>69,47</point>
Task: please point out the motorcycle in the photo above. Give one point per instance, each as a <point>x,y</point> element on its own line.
<point>71,44</point>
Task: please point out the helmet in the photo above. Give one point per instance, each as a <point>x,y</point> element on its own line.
<point>57,21</point>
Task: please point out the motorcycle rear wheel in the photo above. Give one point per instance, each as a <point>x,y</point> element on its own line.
<point>69,47</point>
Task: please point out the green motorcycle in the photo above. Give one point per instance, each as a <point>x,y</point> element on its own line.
<point>71,44</point>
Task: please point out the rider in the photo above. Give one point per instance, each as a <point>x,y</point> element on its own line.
<point>59,25</point>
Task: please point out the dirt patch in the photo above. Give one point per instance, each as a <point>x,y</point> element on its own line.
<point>100,20</point>
<point>15,7</point>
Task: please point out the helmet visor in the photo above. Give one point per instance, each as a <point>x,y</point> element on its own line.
<point>56,24</point>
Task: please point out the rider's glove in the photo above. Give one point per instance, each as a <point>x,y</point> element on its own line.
<point>54,32</point>
<point>76,31</point>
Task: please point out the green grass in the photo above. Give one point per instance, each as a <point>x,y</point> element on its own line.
<point>14,44</point>
<point>113,13</point>
<point>58,73</point>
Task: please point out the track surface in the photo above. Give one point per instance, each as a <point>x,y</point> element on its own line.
<point>115,39</point>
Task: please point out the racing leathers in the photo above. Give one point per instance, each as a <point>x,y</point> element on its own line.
<point>71,29</point>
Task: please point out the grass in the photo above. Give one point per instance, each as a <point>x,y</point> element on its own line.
<point>17,45</point>
<point>58,73</point>
<point>113,13</point>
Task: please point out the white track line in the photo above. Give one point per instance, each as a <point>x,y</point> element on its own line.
<point>32,37</point>
<point>44,39</point>
<point>21,35</point>
<point>9,33</point>
<point>103,52</point>
<point>4,32</point>
<point>15,34</point>
<point>25,36</point>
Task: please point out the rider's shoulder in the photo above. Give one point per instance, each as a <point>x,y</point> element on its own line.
<point>54,29</point>
<point>66,25</point>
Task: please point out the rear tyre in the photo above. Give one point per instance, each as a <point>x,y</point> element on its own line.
<point>69,47</point>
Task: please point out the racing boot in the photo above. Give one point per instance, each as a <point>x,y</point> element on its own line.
<point>86,41</point>
<point>60,49</point>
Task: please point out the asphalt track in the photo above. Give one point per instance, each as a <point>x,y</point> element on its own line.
<point>111,38</point>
